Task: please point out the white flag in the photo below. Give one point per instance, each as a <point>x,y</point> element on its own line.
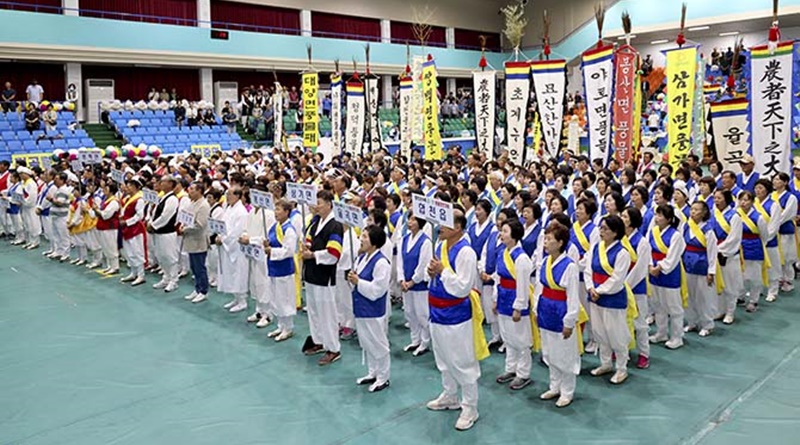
<point>354,138</point>
<point>277,114</point>
<point>406,101</point>
<point>375,138</point>
<point>336,113</point>
<point>550,85</point>
<point>484,88</point>
<point>598,78</point>
<point>517,95</point>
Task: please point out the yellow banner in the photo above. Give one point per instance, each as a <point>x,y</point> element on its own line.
<point>206,150</point>
<point>681,71</point>
<point>310,110</point>
<point>32,159</point>
<point>430,112</point>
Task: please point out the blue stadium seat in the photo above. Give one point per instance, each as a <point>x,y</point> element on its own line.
<point>138,114</point>
<point>8,135</point>
<point>29,144</point>
<point>45,144</point>
<point>87,142</point>
<point>13,145</point>
<point>73,143</point>
<point>5,125</point>
<point>60,143</point>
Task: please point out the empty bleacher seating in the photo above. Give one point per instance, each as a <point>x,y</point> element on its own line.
<point>14,139</point>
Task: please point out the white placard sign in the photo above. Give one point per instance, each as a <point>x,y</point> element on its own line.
<point>47,163</point>
<point>90,157</point>
<point>252,251</point>
<point>294,192</point>
<point>186,219</point>
<point>433,210</point>
<point>444,212</point>
<point>261,199</point>
<point>309,194</point>
<point>149,196</point>
<point>76,166</point>
<point>217,226</point>
<point>118,176</point>
<point>348,215</point>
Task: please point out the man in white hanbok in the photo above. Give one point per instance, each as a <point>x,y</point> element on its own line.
<point>232,277</point>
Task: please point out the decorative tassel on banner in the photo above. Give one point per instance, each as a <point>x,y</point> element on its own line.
<point>599,16</point>
<point>482,63</point>
<point>681,40</point>
<point>774,30</point>
<point>546,35</point>
<point>627,26</point>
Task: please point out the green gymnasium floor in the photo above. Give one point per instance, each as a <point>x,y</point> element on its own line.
<point>85,361</point>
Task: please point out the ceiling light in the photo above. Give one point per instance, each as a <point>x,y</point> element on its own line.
<point>632,36</point>
<point>699,28</point>
<point>659,42</point>
<point>731,33</point>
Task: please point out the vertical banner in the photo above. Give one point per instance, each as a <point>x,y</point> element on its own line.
<point>406,100</point>
<point>430,112</point>
<point>699,114</point>
<point>483,83</point>
<point>310,110</point>
<point>729,124</point>
<point>598,79</point>
<point>417,125</point>
<point>626,110</point>
<point>681,68</point>
<point>550,84</point>
<point>638,108</point>
<point>354,136</point>
<point>770,108</point>
<point>517,95</point>
<point>374,123</point>
<point>277,115</point>
<point>336,113</point>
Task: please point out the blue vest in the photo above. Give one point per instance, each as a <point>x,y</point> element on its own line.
<point>478,240</point>
<point>284,267</point>
<point>13,208</point>
<point>551,308</point>
<point>362,306</point>
<point>618,300</point>
<point>728,215</point>
<point>751,242</point>
<point>750,185</point>
<point>587,231</point>
<point>507,287</point>
<point>788,227</point>
<point>529,241</point>
<point>445,308</point>
<point>646,219</point>
<point>411,260</point>
<point>670,280</point>
<point>695,257</point>
<point>42,197</point>
<point>639,288</point>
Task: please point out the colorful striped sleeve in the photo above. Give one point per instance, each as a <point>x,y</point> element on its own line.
<point>334,245</point>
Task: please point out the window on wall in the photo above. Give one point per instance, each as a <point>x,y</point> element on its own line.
<point>133,83</point>
<point>46,6</point>
<point>256,18</point>
<point>403,33</point>
<point>169,12</point>
<point>466,39</point>
<point>345,27</point>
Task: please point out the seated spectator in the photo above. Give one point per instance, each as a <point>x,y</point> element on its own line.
<point>209,118</point>
<point>164,96</point>
<point>32,119</point>
<point>152,95</point>
<point>35,92</point>
<point>180,113</point>
<point>229,118</point>
<point>191,115</point>
<point>50,119</point>
<point>294,98</point>
<point>173,95</point>
<point>8,98</point>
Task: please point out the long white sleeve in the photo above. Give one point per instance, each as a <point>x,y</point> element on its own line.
<point>774,220</point>
<point>425,255</point>
<point>570,282</point>
<point>524,268</point>
<point>640,270</point>
<point>674,253</point>
<point>733,241</point>
<point>138,215</point>
<point>381,276</point>
<point>110,210</point>
<point>32,192</point>
<point>346,260</point>
<point>288,247</point>
<point>790,211</point>
<point>763,229</point>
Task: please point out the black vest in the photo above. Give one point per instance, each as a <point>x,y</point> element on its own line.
<point>170,227</point>
<point>321,274</point>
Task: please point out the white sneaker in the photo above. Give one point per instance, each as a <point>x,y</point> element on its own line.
<point>419,351</point>
<point>657,339</point>
<point>590,348</point>
<point>191,296</point>
<point>212,283</point>
<point>649,319</point>
<point>80,262</point>
<point>689,328</point>
<point>549,395</point>
<point>675,343</point>
<point>619,377</point>
<point>138,281</point>
<point>199,298</point>
<point>93,265</point>
<point>601,370</point>
<point>467,418</point>
<point>128,278</point>
<point>275,333</point>
<point>263,322</point>
<point>771,298</point>
<point>728,319</point>
<point>787,287</point>
<point>443,402</point>
<point>171,287</point>
<point>160,285</point>
<point>563,401</point>
<point>704,332</point>
<point>254,317</point>
<point>230,304</point>
<point>47,252</point>
<point>284,335</point>
<point>238,308</point>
